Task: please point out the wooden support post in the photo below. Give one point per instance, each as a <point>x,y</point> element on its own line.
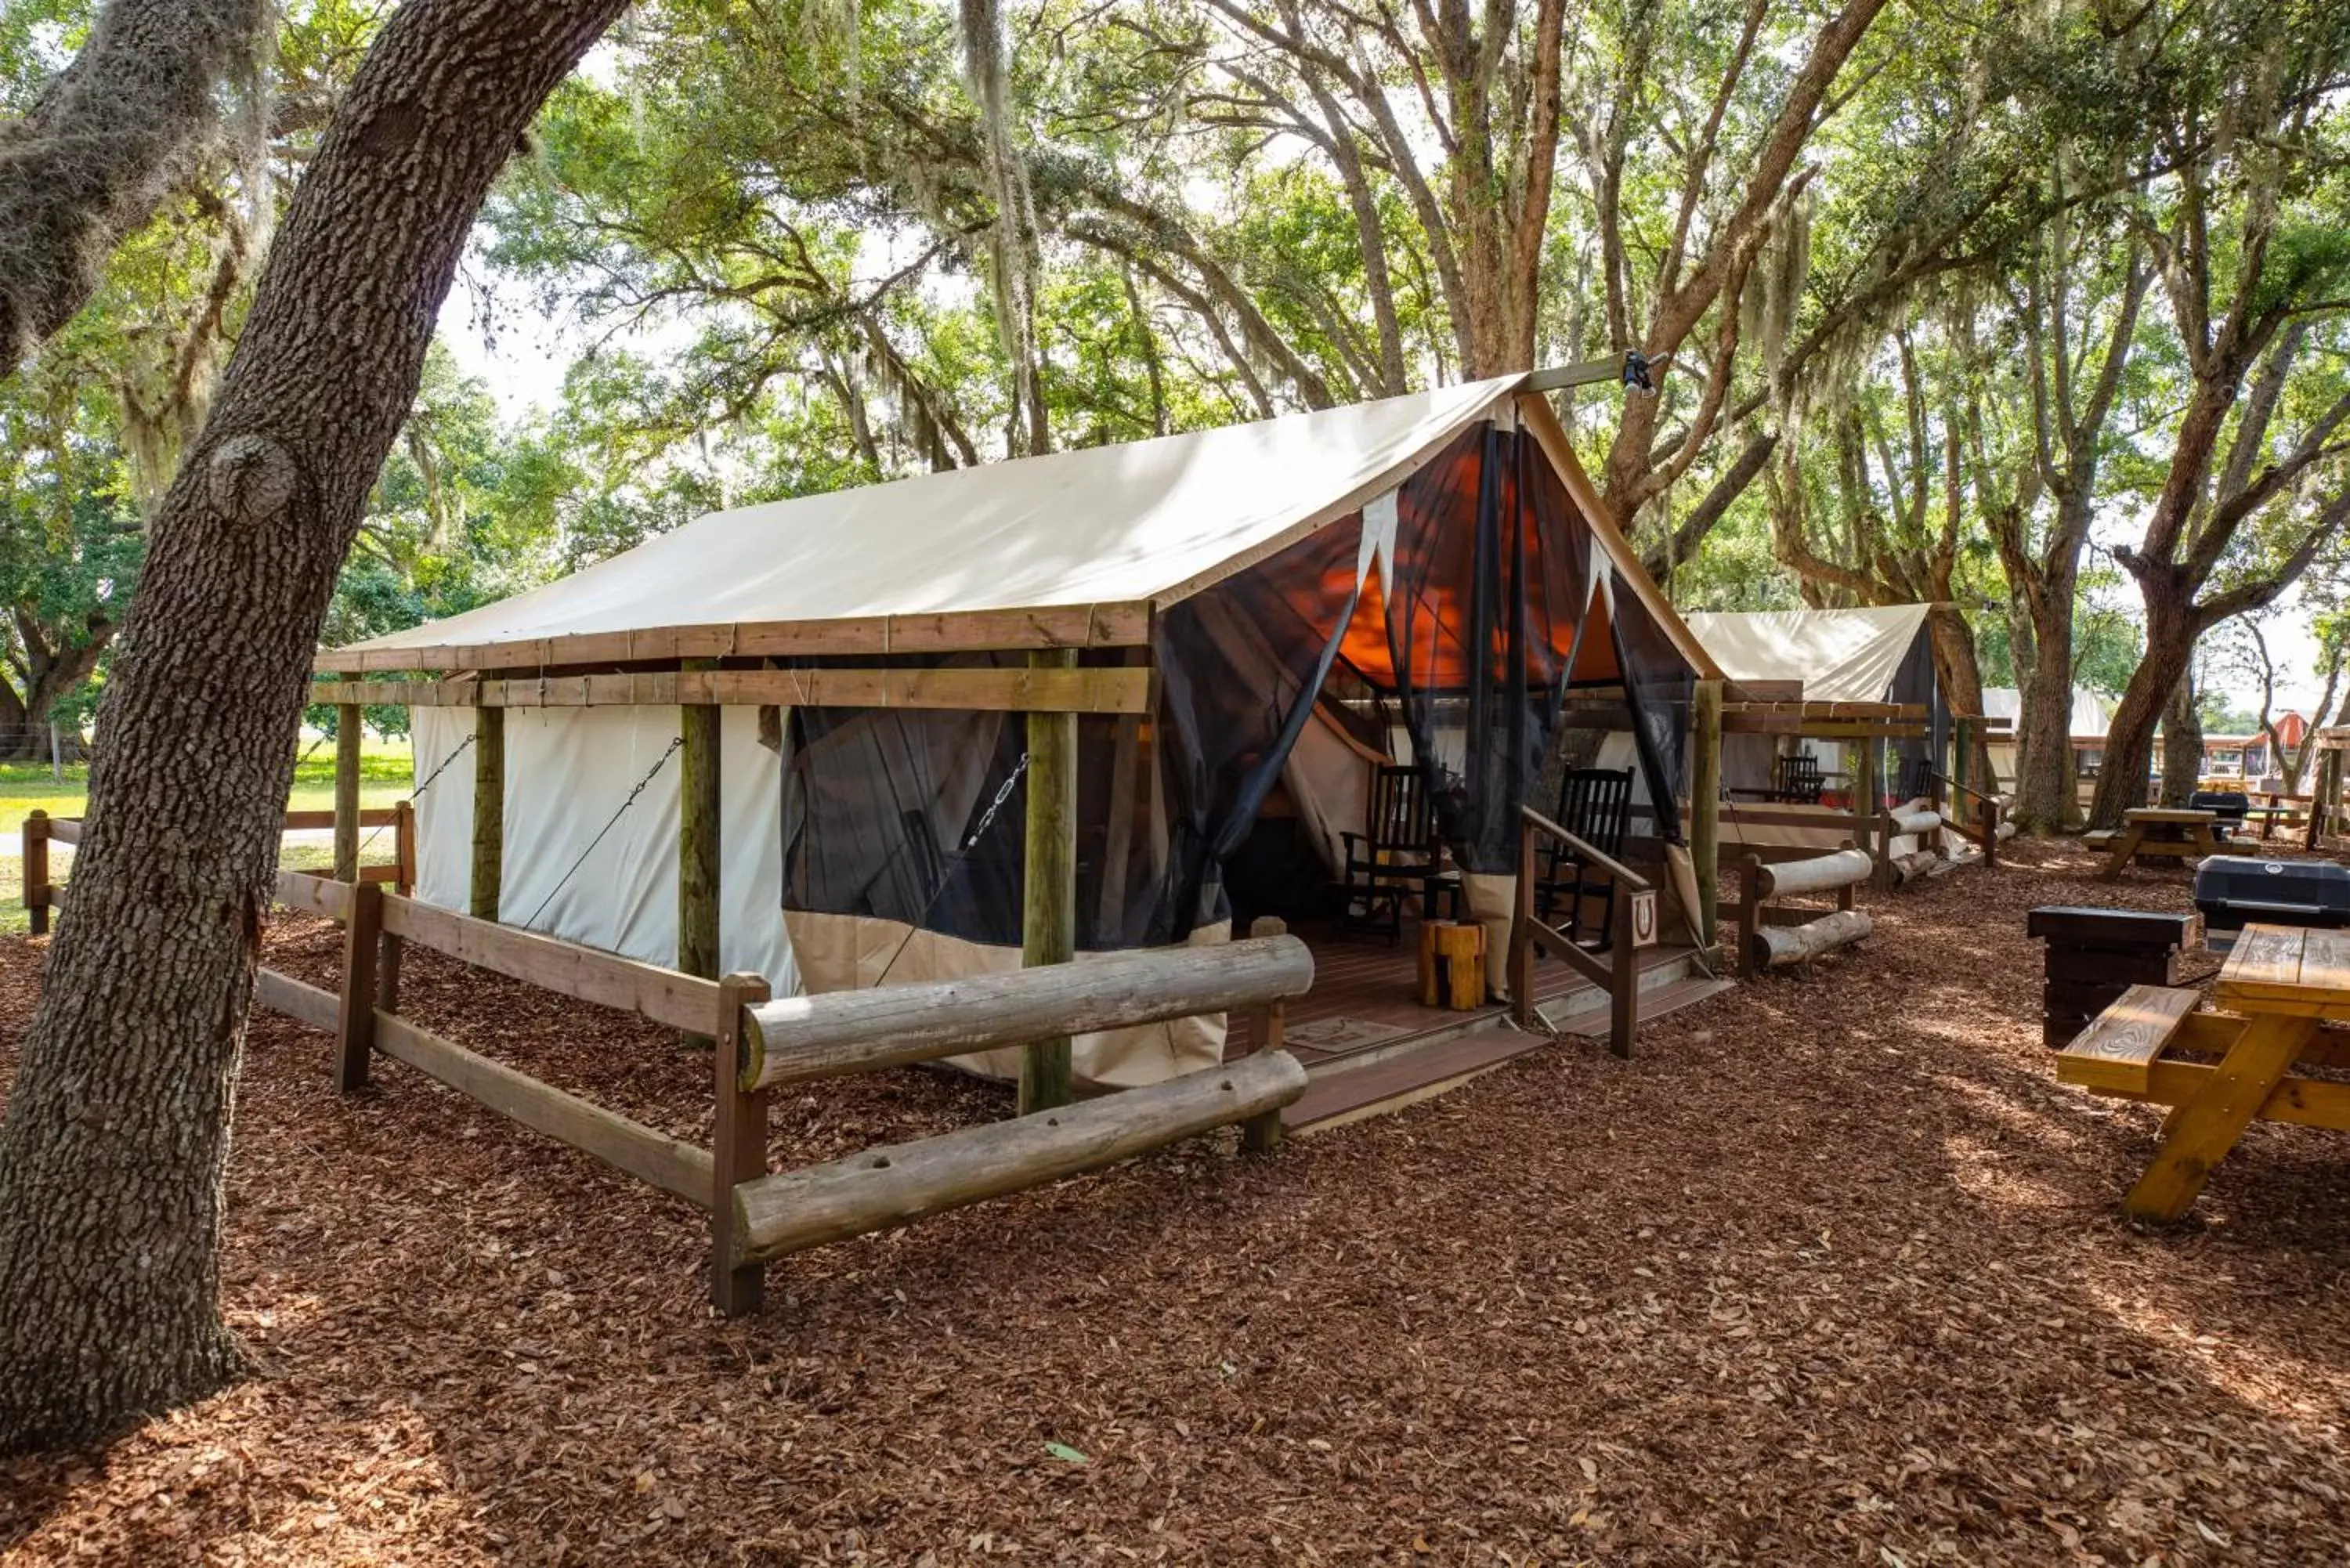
<point>355,1028</point>
<point>698,835</point>
<point>1624,978</point>
<point>1261,1133</point>
<point>2324,791</point>
<point>1521,938</point>
<point>739,1149</point>
<point>489,810</point>
<point>1705,804</point>
<point>1991,834</point>
<point>403,842</point>
<point>36,870</point>
<point>349,732</point>
<point>1048,922</point>
<point>1749,908</point>
<point>1874,819</point>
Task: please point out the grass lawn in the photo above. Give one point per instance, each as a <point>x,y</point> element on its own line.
<point>28,787</point>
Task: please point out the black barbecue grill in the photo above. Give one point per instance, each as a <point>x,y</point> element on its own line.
<point>2229,806</point>
<point>2238,891</point>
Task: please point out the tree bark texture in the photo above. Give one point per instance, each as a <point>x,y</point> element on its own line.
<point>88,165</point>
<point>113,1149</point>
<point>2182,744</point>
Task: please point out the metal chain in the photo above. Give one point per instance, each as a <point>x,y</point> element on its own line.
<point>419,789</point>
<point>946,873</point>
<point>600,832</point>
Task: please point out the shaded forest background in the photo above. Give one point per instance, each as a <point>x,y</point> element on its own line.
<point>2040,310</point>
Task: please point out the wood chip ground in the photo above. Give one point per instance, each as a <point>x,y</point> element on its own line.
<point>1831,1273</point>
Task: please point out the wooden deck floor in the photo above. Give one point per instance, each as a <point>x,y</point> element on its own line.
<point>1365,999</point>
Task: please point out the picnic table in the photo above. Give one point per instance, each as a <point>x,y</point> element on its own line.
<point>2280,989</point>
<point>2160,831</point>
<point>2289,811</point>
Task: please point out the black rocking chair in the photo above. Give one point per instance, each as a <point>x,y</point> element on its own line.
<point>1797,779</point>
<point>1393,856</point>
<point>1595,804</point>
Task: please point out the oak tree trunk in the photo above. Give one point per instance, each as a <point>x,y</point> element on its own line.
<point>2046,797</point>
<point>113,1149</point>
<point>2171,633</point>
<point>2182,744</point>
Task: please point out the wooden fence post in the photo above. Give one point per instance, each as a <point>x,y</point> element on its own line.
<point>355,1028</point>
<point>403,842</point>
<point>739,1149</point>
<point>1705,804</point>
<point>36,870</point>
<point>1521,936</point>
<point>1624,980</point>
<point>1261,1133</point>
<point>698,833</point>
<point>1991,834</point>
<point>1750,910</point>
<point>348,735</point>
<point>489,810</point>
<point>1048,924</point>
<point>1868,803</point>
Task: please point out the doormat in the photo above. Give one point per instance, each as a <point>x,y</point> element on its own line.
<point>1336,1036</point>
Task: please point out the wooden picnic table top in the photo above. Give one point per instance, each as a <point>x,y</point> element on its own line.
<point>2298,971</point>
<point>2171,813</point>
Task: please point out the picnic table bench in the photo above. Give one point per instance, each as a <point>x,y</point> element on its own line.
<point>2157,832</point>
<point>2280,989</point>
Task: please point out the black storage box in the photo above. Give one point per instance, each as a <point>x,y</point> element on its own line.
<point>2238,891</point>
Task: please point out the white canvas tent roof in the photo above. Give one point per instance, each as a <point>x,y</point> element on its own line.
<point>1138,523</point>
<point>1839,655</point>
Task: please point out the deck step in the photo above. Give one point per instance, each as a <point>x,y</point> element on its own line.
<point>1333,1098</point>
<point>1591,1022</point>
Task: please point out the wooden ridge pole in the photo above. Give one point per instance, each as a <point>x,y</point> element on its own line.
<point>1048,917</point>
<point>489,811</point>
<point>348,737</point>
<point>698,835</point>
<point>1705,804</point>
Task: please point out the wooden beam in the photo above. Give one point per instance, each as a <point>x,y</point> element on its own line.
<point>1055,689</point>
<point>283,993</point>
<point>1705,804</point>
<point>800,1039</point>
<point>349,737</point>
<point>670,1163</point>
<point>698,846</point>
<point>959,631</point>
<point>315,895</point>
<point>905,1183</point>
<point>1049,916</point>
<point>1844,868</point>
<point>587,974</point>
<point>488,811</point>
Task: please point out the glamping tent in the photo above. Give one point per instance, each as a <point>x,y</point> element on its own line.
<point>2087,730</point>
<point>1270,607</point>
<point>1874,654</point>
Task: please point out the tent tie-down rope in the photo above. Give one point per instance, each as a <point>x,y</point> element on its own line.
<point>551,892</point>
<point>419,789</point>
<point>946,873</point>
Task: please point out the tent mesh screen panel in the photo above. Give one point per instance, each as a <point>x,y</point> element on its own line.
<point>1465,638</point>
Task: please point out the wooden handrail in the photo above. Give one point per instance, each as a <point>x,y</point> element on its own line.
<point>1623,874</point>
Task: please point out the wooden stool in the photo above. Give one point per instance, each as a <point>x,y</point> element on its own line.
<point>1451,965</point>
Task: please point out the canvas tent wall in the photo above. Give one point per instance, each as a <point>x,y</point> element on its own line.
<point>1871,654</point>
<point>2087,723</point>
<point>1436,560</point>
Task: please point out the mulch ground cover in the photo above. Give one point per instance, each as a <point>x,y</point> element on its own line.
<point>1832,1274</point>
